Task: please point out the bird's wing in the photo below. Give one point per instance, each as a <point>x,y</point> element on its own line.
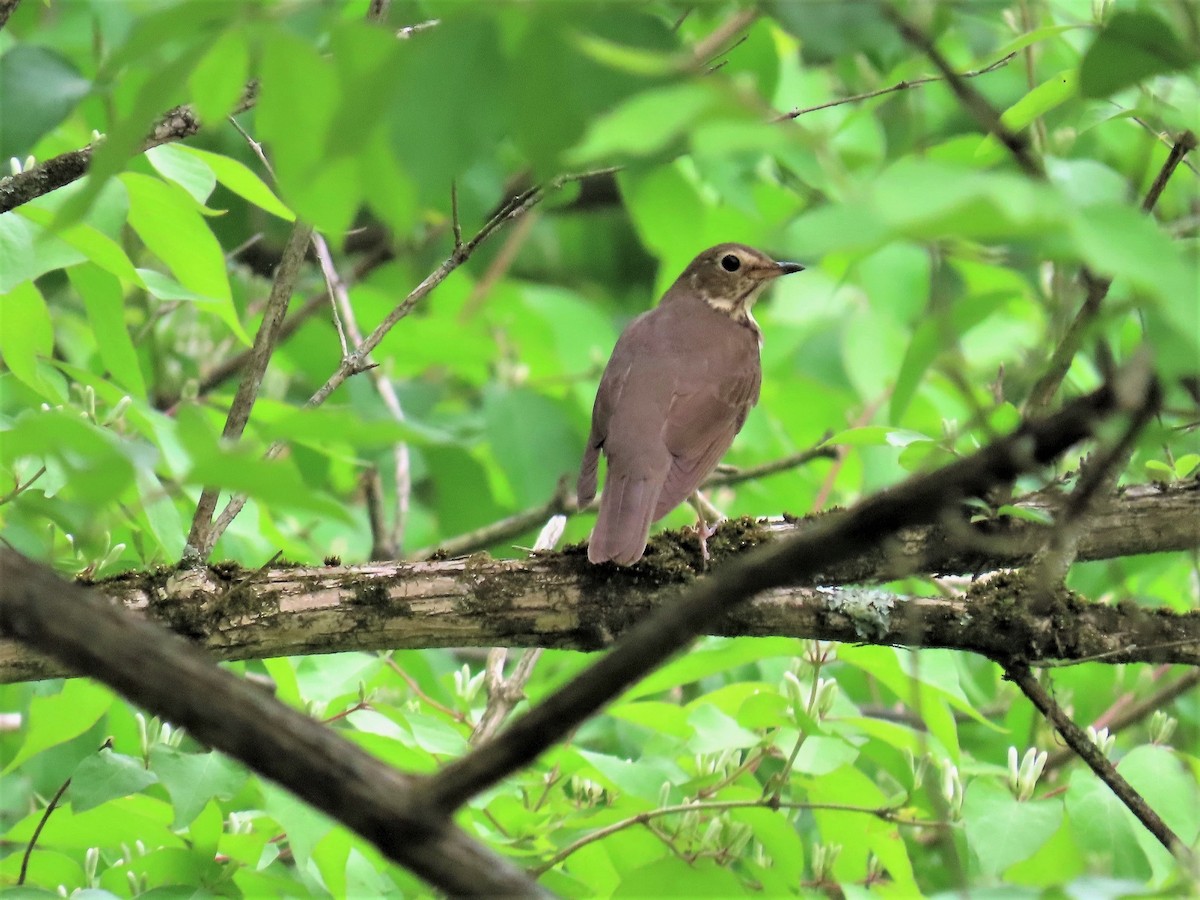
<point>700,428</point>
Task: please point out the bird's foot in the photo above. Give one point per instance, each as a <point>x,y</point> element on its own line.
<point>703,532</point>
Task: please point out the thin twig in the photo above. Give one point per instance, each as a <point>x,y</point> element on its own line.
<point>7,8</point>
<point>710,47</point>
<point>898,86</point>
<point>421,695</point>
<point>21,488</point>
<point>1096,289</point>
<point>503,694</point>
<point>724,477</point>
<point>973,101</point>
<point>1184,143</point>
<point>1098,476</point>
<point>455,223</point>
<point>59,171</point>
<point>33,838</point>
<point>204,533</point>
<point>887,814</point>
<point>1077,739</point>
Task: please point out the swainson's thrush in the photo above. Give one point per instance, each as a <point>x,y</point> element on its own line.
<point>675,392</point>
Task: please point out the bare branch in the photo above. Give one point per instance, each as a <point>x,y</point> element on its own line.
<point>503,694</point>
<point>204,533</point>
<point>898,86</point>
<point>551,598</point>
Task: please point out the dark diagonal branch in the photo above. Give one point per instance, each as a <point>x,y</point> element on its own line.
<point>172,679</point>
<point>920,500</point>
<point>1077,739</point>
<point>1134,713</point>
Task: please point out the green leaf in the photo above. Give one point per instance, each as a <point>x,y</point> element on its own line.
<point>105,303</point>
<point>1103,827</point>
<point>716,731</point>
<point>242,181</point>
<point>167,221</point>
<point>57,718</point>
<point>26,335</point>
<point>643,778</point>
<point>1001,830</point>
<point>192,779</point>
<point>671,876</point>
<point>1134,45</point>
<point>38,90</point>
<point>1118,241</point>
<point>173,162</point>
<point>88,240</point>
<point>644,124</point>
<point>219,79</point>
<point>96,459</point>
<point>521,421</point>
<point>105,776</point>
<point>1046,96</point>
<point>125,820</point>
<point>820,755</point>
<point>922,351</point>
<point>717,655</point>
<point>272,482</point>
<point>1161,776</point>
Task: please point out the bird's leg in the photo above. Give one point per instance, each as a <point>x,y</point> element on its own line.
<point>705,513</point>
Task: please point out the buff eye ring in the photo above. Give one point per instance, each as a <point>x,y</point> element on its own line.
<point>730,263</point>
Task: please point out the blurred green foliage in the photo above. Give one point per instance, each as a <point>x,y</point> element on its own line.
<point>940,282</point>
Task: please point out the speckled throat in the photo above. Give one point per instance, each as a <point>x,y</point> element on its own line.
<point>737,308</point>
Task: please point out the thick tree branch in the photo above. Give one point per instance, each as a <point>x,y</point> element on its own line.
<point>167,676</point>
<point>558,600</point>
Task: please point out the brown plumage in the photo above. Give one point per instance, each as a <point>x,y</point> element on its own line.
<point>675,392</point>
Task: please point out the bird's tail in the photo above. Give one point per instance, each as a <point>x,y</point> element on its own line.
<point>626,509</point>
<point>585,488</point>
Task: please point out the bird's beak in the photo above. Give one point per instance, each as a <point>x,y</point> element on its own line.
<point>771,271</point>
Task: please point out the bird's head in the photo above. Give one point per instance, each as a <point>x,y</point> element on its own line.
<point>729,278</point>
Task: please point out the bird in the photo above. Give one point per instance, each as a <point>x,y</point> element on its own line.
<point>674,394</point>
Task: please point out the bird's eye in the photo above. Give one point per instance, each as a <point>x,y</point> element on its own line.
<point>730,263</point>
